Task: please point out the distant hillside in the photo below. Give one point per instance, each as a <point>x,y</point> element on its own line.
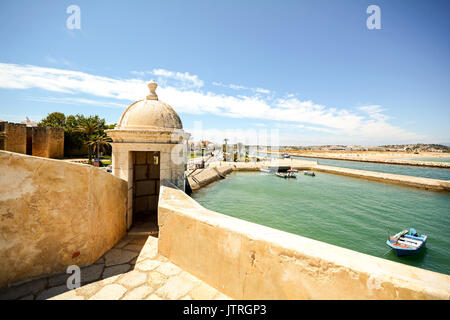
<point>420,147</point>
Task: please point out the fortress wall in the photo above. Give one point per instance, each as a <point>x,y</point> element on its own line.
<point>48,142</point>
<point>54,214</point>
<point>55,138</point>
<point>249,261</point>
<point>16,137</point>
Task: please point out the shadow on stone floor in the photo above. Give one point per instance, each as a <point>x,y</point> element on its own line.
<point>120,259</point>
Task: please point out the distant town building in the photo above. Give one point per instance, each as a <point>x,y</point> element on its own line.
<point>29,123</point>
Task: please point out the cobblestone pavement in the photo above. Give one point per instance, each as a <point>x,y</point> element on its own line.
<point>132,270</point>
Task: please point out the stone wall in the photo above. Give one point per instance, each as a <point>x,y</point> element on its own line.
<point>54,214</point>
<point>48,142</point>
<point>249,261</point>
<point>16,137</point>
<point>203,177</point>
<point>419,182</point>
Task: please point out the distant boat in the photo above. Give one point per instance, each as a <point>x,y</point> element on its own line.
<point>265,170</point>
<point>309,173</point>
<point>285,156</point>
<point>290,174</point>
<point>406,243</point>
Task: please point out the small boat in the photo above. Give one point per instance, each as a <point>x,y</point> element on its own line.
<point>406,243</point>
<point>290,174</point>
<point>285,156</point>
<point>309,173</point>
<point>265,170</point>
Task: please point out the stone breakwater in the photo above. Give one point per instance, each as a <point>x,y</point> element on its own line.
<point>219,170</point>
<point>425,183</point>
<point>405,162</point>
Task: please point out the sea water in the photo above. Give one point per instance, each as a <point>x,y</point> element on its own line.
<point>352,213</point>
<point>425,172</point>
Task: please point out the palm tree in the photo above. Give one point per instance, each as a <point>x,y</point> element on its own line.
<point>224,149</point>
<point>89,126</point>
<point>100,143</point>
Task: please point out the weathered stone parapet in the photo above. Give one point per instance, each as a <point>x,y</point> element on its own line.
<point>54,214</point>
<point>249,261</point>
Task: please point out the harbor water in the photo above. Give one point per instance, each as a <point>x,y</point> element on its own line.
<point>425,172</point>
<point>344,211</point>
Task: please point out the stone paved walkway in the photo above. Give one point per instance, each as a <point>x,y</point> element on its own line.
<point>132,270</point>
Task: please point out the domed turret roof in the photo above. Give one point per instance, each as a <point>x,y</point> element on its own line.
<point>149,114</point>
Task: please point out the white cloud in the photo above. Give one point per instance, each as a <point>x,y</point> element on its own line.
<point>262,137</point>
<point>374,112</point>
<point>180,79</point>
<point>58,61</point>
<point>13,76</point>
<point>239,87</point>
<point>78,101</point>
<point>369,124</point>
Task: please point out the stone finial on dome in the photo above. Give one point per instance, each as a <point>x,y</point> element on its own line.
<point>152,87</point>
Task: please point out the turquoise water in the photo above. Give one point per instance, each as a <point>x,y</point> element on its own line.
<point>433,173</point>
<point>351,213</point>
<point>432,159</point>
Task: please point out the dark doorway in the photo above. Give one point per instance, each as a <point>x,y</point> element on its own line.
<point>29,141</point>
<point>146,182</point>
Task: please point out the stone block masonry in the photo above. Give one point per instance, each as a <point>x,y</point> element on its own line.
<point>46,142</point>
<point>15,139</point>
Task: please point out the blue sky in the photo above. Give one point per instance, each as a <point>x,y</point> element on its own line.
<point>310,70</point>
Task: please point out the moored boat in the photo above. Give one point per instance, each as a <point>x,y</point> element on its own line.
<point>289,174</point>
<point>407,242</point>
<point>309,173</point>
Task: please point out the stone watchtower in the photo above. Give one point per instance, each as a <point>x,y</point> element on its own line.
<point>149,145</point>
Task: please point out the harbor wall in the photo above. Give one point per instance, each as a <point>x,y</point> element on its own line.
<point>206,176</point>
<point>358,158</point>
<point>249,261</point>
<point>216,171</point>
<point>425,183</point>
<point>54,214</point>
